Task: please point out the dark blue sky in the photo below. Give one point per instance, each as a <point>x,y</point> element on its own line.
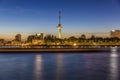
<point>17,16</point>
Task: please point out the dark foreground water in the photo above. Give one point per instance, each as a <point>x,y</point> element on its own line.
<point>60,66</point>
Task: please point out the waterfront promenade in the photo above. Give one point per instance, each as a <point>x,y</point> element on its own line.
<point>52,48</point>
<point>14,50</point>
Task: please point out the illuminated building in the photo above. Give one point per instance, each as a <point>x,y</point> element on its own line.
<point>59,27</point>
<point>39,36</point>
<point>14,42</point>
<point>115,33</point>
<point>18,37</point>
<point>36,39</point>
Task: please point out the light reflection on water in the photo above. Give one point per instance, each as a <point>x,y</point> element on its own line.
<point>61,66</point>
<point>38,67</point>
<point>114,65</point>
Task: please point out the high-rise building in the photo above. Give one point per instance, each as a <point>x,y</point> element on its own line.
<point>59,27</point>
<point>115,33</point>
<point>18,37</point>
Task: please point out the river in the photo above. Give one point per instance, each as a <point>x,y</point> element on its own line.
<point>60,66</point>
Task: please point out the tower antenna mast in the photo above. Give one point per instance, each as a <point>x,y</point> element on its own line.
<point>59,17</point>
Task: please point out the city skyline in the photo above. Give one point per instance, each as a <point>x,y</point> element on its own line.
<point>24,36</point>
<point>33,16</point>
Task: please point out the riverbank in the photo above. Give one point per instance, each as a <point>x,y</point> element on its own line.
<point>39,50</point>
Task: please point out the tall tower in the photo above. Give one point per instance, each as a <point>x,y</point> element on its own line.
<point>59,27</point>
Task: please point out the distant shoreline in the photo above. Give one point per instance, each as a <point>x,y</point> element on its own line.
<point>54,50</point>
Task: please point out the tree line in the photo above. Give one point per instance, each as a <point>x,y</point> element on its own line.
<point>51,39</point>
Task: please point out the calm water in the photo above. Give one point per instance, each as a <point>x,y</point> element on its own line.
<point>61,66</point>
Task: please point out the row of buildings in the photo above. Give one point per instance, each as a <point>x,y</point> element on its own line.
<point>31,39</point>
<point>38,38</point>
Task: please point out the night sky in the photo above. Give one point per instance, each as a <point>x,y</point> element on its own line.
<point>31,16</point>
